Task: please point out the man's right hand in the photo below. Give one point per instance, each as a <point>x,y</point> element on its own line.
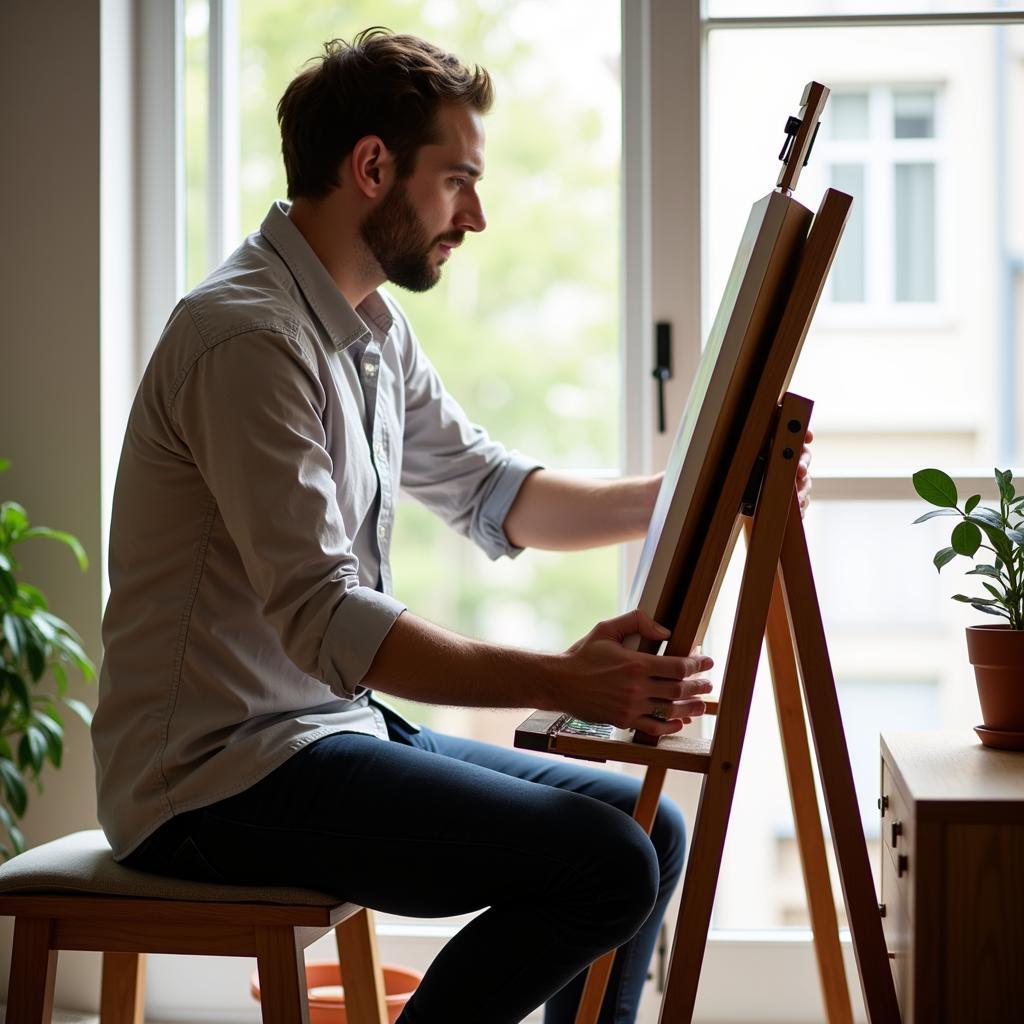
<point>599,680</point>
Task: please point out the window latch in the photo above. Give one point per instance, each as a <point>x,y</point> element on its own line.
<point>662,365</point>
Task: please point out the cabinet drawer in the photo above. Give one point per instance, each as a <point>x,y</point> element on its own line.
<point>897,930</point>
<point>897,839</point>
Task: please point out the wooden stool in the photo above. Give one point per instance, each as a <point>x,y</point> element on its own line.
<point>72,894</point>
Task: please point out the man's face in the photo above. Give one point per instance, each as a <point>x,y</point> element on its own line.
<point>414,228</point>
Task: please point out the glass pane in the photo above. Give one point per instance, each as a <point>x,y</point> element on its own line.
<point>914,232</point>
<point>524,324</point>
<point>825,8</point>
<point>913,115</point>
<point>848,270</point>
<point>848,115</point>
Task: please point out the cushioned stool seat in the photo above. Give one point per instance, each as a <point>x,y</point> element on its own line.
<point>72,894</point>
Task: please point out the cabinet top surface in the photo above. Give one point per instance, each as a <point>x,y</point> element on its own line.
<point>953,769</point>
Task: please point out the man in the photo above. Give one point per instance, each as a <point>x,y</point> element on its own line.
<point>251,618</point>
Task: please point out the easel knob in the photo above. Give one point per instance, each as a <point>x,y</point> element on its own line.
<point>801,132</point>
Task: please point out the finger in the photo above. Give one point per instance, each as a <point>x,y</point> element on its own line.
<point>682,689</point>
<point>635,621</point>
<point>661,666</point>
<point>656,727</point>
<point>809,436</point>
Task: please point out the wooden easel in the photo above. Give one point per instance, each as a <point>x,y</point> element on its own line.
<point>778,603</point>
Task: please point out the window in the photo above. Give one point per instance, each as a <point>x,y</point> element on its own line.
<point>905,363</point>
<point>524,327</point>
<point>882,145</point>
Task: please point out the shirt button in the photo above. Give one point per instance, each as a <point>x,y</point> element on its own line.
<point>382,531</point>
<point>379,450</point>
<point>369,370</point>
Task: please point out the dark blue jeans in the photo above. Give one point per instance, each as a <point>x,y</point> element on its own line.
<point>432,825</point>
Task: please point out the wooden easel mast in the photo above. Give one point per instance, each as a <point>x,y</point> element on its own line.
<point>777,602</point>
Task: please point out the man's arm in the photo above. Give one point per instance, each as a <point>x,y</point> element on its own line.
<point>559,512</point>
<point>597,679</point>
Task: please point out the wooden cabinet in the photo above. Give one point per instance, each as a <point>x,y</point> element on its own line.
<point>952,877</point>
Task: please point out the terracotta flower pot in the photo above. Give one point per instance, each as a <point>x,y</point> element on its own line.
<point>327,996</point>
<point>997,654</point>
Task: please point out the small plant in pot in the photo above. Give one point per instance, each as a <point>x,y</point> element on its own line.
<point>35,646</point>
<point>994,542</point>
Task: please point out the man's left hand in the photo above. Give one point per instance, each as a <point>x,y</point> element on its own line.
<point>803,475</point>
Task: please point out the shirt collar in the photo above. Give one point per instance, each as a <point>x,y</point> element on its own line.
<point>343,324</point>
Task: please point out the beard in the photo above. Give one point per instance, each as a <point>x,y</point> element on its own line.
<point>395,235</point>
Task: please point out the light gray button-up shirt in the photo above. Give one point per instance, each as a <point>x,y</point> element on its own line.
<point>253,512</point>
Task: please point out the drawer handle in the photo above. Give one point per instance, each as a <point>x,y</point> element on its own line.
<point>883,804</point>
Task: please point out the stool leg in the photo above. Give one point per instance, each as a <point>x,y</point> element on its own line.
<point>282,976</point>
<point>360,968</point>
<point>33,969</point>
<point>123,991</point>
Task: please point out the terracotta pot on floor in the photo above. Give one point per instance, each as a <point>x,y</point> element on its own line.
<point>997,654</point>
<point>327,996</point>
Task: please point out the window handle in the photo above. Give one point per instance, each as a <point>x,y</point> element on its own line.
<point>662,365</point>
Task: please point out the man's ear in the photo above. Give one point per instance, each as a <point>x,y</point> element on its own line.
<point>373,166</point>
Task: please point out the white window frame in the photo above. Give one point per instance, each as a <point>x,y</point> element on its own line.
<point>664,275</point>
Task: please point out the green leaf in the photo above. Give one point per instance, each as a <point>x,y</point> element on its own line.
<point>83,711</point>
<point>53,734</point>
<point>1001,543</point>
<point>943,557</point>
<point>971,503</point>
<point>963,598</point>
<point>14,519</point>
<point>32,750</point>
<point>62,678</point>
<point>1016,536</point>
<point>986,515</point>
<point>64,538</point>
<point>997,594</point>
<point>936,487</point>
<point>32,596</point>
<point>978,606</point>
<point>8,586</point>
<point>5,464</point>
<point>5,561</point>
<point>1003,478</point>
<point>19,689</point>
<point>13,634</point>
<point>14,786</point>
<point>984,570</point>
<point>934,513</point>
<point>966,539</point>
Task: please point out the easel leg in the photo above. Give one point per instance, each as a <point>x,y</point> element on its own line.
<point>709,831</point>
<point>819,688</point>
<point>645,812</point>
<point>803,795</point>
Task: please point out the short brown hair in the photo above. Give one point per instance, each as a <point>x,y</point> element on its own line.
<point>379,84</point>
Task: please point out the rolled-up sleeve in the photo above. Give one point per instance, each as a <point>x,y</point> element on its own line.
<point>450,464</point>
<point>250,411</point>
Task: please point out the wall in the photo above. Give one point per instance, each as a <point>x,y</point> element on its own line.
<point>51,345</point>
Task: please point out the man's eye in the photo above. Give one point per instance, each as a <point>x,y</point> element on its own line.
<point>457,182</point>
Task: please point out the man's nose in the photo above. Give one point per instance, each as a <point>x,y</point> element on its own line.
<point>472,216</point>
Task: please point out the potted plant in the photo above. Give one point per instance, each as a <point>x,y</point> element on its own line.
<point>994,541</point>
<point>33,644</point>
